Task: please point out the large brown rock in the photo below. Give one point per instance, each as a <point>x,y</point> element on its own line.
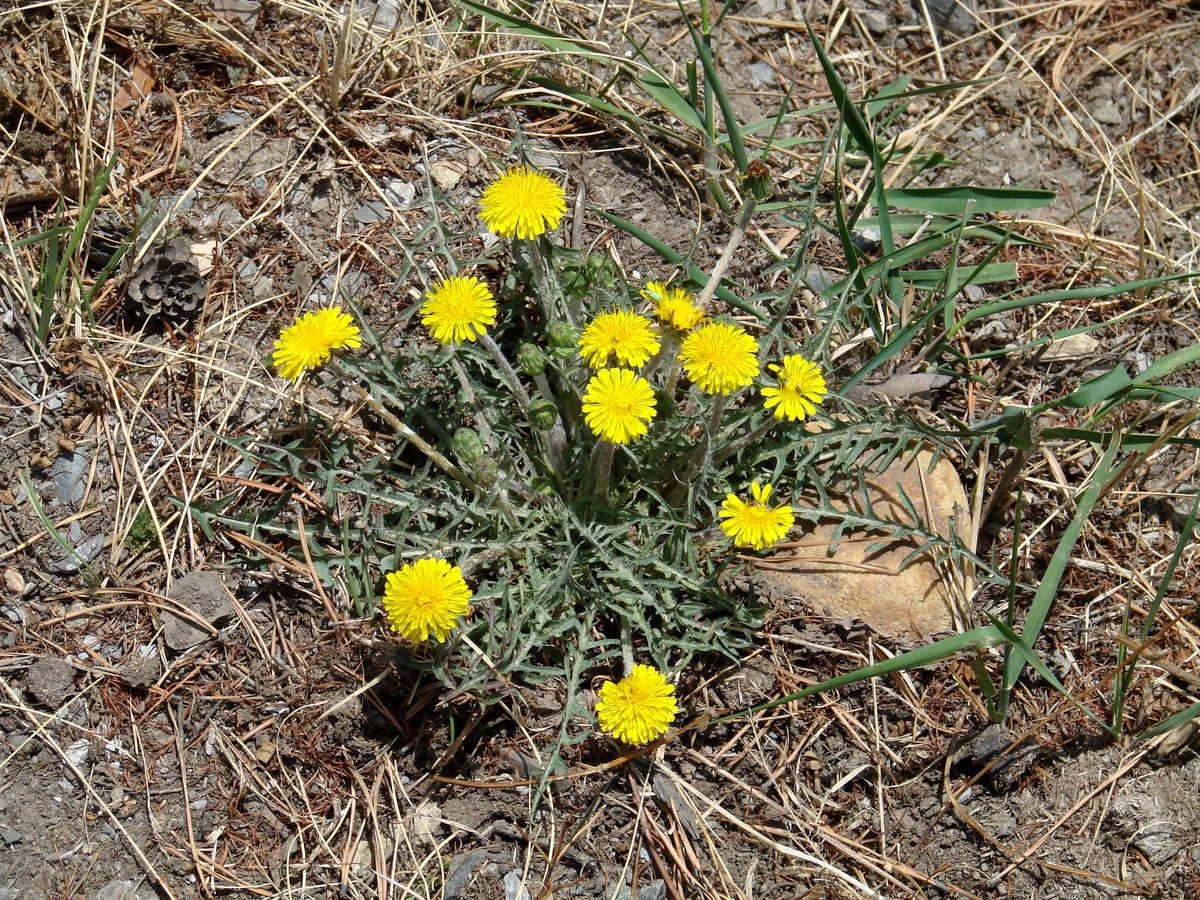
<point>910,603</point>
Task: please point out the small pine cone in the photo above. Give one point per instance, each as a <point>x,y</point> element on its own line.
<point>168,285</point>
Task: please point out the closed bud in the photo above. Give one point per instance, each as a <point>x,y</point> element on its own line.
<point>531,360</point>
<point>468,446</point>
<point>563,340</point>
<point>543,414</point>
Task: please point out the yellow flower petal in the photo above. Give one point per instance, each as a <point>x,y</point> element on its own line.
<point>719,357</point>
<point>638,708</point>
<point>801,388</point>
<point>426,598</point>
<point>522,203</point>
<point>310,341</point>
<point>620,333</point>
<point>617,405</point>
<point>674,307</point>
<point>755,524</point>
<point>458,309</point>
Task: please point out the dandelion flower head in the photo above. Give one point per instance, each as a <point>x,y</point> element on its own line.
<point>675,307</point>
<point>311,340</point>
<point>425,598</point>
<point>801,388</point>
<point>617,405</point>
<point>522,203</point>
<point>720,357</point>
<point>638,708</point>
<point>458,309</point>
<point>755,524</point>
<point>620,333</point>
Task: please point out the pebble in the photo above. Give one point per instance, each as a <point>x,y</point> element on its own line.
<point>762,74</point>
<point>401,193</point>
<point>68,472</point>
<point>83,554</point>
<point>118,889</point>
<point>371,212</point>
<point>514,887</point>
<point>226,121</point>
<point>10,836</point>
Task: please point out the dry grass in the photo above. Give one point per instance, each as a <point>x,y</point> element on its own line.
<point>326,769</point>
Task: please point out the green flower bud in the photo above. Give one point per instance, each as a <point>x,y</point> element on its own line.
<point>563,340</point>
<point>468,446</point>
<point>543,414</point>
<point>757,180</point>
<point>485,472</point>
<point>531,360</point>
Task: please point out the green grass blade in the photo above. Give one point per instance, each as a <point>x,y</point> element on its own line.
<point>697,275</point>
<point>736,145</point>
<point>1170,724</point>
<point>976,638</point>
<point>957,201</point>
<point>1088,293</point>
<point>1047,590</point>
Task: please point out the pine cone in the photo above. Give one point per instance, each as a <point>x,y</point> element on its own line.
<point>168,285</point>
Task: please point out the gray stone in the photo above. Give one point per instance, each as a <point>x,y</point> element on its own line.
<point>205,595</point>
<point>83,554</point>
<point>459,872</point>
<point>118,889</point>
<point>371,212</point>
<point>877,21</point>
<point>514,887</point>
<point>10,836</point>
<point>7,893</point>
<point>226,121</point>
<point>762,74</point>
<point>953,16</point>
<point>49,680</point>
<point>401,193</point>
<point>69,471</point>
<point>1107,112</point>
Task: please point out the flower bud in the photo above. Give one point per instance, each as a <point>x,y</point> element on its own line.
<point>757,180</point>
<point>543,414</point>
<point>468,446</point>
<point>531,360</point>
<point>563,340</point>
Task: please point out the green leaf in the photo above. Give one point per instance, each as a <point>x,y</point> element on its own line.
<point>959,201</point>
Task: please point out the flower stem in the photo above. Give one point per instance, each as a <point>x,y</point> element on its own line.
<point>412,437</point>
<point>601,466</point>
<point>507,374</point>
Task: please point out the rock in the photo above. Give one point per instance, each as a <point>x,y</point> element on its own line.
<point>69,473</point>
<point>10,836</point>
<point>459,871</point>
<point>401,193</point>
<point>119,890</point>
<point>83,554</point>
<point>958,17</point>
<point>425,822</point>
<point>49,680</point>
<point>762,74</point>
<point>852,583</point>
<point>371,212</point>
<point>1073,346</point>
<point>514,886</point>
<point>226,121</point>
<point>205,595</point>
<point>877,21</point>
<point>1107,112</point>
<point>446,175</point>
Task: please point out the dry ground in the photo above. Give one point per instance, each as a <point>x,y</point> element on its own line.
<point>272,750</point>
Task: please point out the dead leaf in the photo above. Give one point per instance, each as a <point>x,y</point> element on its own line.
<point>137,86</point>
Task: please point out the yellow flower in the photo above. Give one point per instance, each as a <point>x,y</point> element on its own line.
<point>620,333</point>
<point>618,404</point>
<point>458,309</point>
<point>674,306</point>
<point>801,388</point>
<point>720,358</point>
<point>755,524</point>
<point>638,708</point>
<point>425,597</point>
<point>522,203</point>
<point>311,340</point>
